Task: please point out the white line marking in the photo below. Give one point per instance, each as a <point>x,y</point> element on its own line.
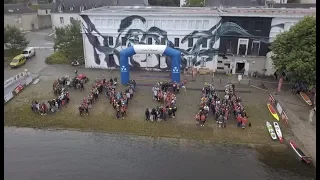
<point>258,88</point>
<point>51,34</point>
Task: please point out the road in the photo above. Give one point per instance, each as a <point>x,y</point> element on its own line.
<point>54,155</point>
<point>39,39</point>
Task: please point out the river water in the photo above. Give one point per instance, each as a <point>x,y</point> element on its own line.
<point>62,155</point>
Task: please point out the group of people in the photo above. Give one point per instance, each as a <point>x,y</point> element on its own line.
<point>51,106</point>
<point>93,96</point>
<point>66,81</point>
<point>120,100</point>
<point>164,92</point>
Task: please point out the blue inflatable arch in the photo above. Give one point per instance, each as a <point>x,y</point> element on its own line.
<point>149,49</point>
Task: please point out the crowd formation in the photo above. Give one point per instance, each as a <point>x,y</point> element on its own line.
<point>51,106</point>
<point>221,108</point>
<point>164,93</point>
<point>120,100</point>
<point>76,82</point>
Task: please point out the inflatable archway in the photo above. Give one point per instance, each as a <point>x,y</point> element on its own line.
<point>149,49</point>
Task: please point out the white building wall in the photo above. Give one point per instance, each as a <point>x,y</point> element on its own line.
<point>62,19</point>
<point>279,25</point>
<point>176,27</point>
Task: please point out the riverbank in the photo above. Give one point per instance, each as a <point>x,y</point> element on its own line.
<point>102,116</point>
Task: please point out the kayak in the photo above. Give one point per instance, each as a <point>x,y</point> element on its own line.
<point>273,111</point>
<point>300,154</point>
<point>278,131</point>
<point>306,98</point>
<point>271,131</point>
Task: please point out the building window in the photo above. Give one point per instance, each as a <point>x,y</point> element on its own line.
<point>81,8</point>
<point>116,23</point>
<point>221,68</point>
<point>97,22</point>
<point>191,24</point>
<point>255,48</point>
<point>190,42</point>
<point>245,25</point>
<point>170,24</point>
<point>203,62</point>
<point>229,49</point>
<point>184,24</point>
<point>258,25</point>
<point>177,24</point>
<point>150,23</point>
<point>219,61</point>
<point>104,23</point>
<point>149,41</point>
<point>110,39</point>
<point>61,20</point>
<point>163,41</point>
<point>198,24</point>
<point>242,46</point>
<point>110,23</point>
<point>205,24</point>
<point>60,8</point>
<point>163,24</point>
<point>204,43</point>
<point>157,23</point>
<point>123,41</point>
<point>71,8</point>
<point>176,42</point>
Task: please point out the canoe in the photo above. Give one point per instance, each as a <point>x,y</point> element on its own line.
<point>278,131</point>
<point>306,98</point>
<point>271,131</point>
<point>300,154</point>
<point>273,111</point>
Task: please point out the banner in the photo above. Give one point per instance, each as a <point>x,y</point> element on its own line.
<point>8,96</point>
<point>28,80</point>
<point>271,100</point>
<point>284,117</point>
<point>279,108</point>
<point>280,84</point>
<point>18,88</point>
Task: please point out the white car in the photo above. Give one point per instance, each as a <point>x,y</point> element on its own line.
<point>29,52</point>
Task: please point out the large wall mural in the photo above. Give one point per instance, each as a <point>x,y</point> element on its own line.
<point>107,56</point>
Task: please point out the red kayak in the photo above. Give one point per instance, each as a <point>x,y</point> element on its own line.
<point>300,154</point>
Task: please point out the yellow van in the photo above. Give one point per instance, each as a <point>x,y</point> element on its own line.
<point>18,61</point>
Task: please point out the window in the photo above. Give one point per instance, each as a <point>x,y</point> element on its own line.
<point>110,23</point>
<point>176,42</point>
<point>149,41</point>
<point>116,23</point>
<point>258,25</point>
<point>110,39</point>
<point>190,42</point>
<point>81,8</point>
<point>176,24</point>
<point>255,48</point>
<point>61,20</point>
<point>242,46</point>
<point>97,22</point>
<point>245,25</point>
<point>46,11</point>
<point>123,41</point>
<point>222,68</point>
<point>229,49</point>
<point>219,61</point>
<point>205,24</point>
<point>191,24</point>
<point>103,23</point>
<point>60,8</point>
<point>203,62</point>
<point>163,41</point>
<point>150,23</point>
<point>71,8</point>
<point>163,24</point>
<point>204,43</point>
<point>170,24</point>
<point>157,23</point>
<point>184,24</point>
<point>198,24</point>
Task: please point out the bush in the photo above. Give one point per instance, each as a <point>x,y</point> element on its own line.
<point>57,58</point>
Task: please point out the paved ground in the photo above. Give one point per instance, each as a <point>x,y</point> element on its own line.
<point>39,38</point>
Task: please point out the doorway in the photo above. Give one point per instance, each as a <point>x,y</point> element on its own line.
<point>240,67</point>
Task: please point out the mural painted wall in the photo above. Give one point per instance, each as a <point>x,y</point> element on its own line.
<point>280,25</point>
<point>199,46</point>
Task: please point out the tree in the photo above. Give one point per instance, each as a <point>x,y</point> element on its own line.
<point>14,39</point>
<point>68,40</point>
<point>295,51</point>
<point>194,3</point>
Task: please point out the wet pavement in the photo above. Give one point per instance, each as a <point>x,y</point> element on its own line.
<point>54,155</point>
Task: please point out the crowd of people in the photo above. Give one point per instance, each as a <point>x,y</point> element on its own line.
<point>120,100</point>
<point>93,96</point>
<point>221,108</point>
<point>67,82</point>
<point>164,92</point>
<point>51,106</point>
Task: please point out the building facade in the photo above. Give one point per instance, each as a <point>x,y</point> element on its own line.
<point>234,39</point>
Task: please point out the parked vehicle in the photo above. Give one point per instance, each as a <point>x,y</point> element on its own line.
<point>29,52</point>
<point>18,61</point>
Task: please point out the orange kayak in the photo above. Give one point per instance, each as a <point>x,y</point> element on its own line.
<point>273,112</point>
<point>306,98</point>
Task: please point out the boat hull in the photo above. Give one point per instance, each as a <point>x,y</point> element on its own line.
<point>306,98</point>
<point>299,153</point>
<point>273,112</point>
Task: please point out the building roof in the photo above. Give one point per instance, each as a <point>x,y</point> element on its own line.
<point>200,11</point>
<point>294,5</point>
<point>45,6</point>
<point>17,9</point>
<point>234,3</point>
<point>73,6</point>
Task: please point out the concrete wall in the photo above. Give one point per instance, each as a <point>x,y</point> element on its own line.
<point>97,54</point>
<point>25,22</point>
<point>44,21</point>
<point>55,19</point>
